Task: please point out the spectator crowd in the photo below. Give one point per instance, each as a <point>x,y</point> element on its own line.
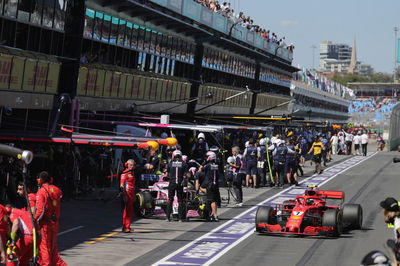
<point>241,19</point>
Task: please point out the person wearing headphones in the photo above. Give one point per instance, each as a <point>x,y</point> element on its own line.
<point>211,172</point>
<point>127,187</point>
<point>47,215</point>
<point>391,216</point>
<point>200,148</point>
<point>177,170</point>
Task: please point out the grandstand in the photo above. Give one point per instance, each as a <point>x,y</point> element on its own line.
<point>318,98</point>
<point>124,57</point>
<point>374,102</point>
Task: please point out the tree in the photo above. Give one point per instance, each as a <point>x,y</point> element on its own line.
<point>375,78</point>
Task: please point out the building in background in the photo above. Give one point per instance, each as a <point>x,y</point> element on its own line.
<point>341,58</point>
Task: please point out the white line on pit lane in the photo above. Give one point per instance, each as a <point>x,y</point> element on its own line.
<point>70,230</point>
<point>225,250</point>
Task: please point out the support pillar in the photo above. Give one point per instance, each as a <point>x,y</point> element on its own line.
<point>256,88</point>
<point>196,78</point>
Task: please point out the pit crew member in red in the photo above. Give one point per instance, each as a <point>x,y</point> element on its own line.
<point>47,215</point>
<point>127,186</point>
<point>22,235</point>
<point>4,219</point>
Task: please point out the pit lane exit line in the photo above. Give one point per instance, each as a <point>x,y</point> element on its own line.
<point>213,245</point>
<point>70,230</point>
<point>103,237</point>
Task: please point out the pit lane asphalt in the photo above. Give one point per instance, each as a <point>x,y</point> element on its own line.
<point>99,241</point>
<point>366,184</point>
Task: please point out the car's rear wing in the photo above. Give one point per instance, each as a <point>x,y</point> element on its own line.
<point>331,194</point>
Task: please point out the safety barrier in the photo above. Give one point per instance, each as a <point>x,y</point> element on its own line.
<point>394,131</point>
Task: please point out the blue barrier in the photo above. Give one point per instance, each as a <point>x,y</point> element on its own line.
<point>191,10</point>
<point>220,23</point>
<point>175,5</point>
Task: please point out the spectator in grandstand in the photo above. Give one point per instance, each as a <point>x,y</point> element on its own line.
<point>241,19</point>
<point>334,143</point>
<point>364,143</point>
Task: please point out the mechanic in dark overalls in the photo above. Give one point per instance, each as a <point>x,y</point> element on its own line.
<point>211,173</point>
<point>200,148</point>
<point>177,170</point>
<point>291,164</point>
<point>279,163</point>
<point>250,156</point>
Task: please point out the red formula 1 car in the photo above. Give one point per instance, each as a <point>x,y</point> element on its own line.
<point>310,214</point>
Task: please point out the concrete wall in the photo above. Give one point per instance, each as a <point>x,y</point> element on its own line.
<point>394,132</point>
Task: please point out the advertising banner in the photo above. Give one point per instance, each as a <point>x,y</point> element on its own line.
<point>6,79</point>
<point>53,77</point>
<point>15,80</point>
<point>83,73</point>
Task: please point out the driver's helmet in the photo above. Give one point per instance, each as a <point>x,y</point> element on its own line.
<point>310,201</point>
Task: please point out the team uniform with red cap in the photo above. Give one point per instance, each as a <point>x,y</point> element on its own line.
<point>128,180</point>
<point>47,215</point>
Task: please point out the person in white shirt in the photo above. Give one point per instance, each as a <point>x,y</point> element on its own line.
<point>348,138</point>
<point>364,143</point>
<point>357,142</point>
<point>334,144</point>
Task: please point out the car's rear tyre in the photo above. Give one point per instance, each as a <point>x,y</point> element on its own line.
<point>264,216</point>
<point>352,215</point>
<point>145,204</point>
<point>333,218</point>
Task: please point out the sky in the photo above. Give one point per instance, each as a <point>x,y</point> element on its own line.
<point>309,22</point>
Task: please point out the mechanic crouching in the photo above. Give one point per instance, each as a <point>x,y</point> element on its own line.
<point>177,171</point>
